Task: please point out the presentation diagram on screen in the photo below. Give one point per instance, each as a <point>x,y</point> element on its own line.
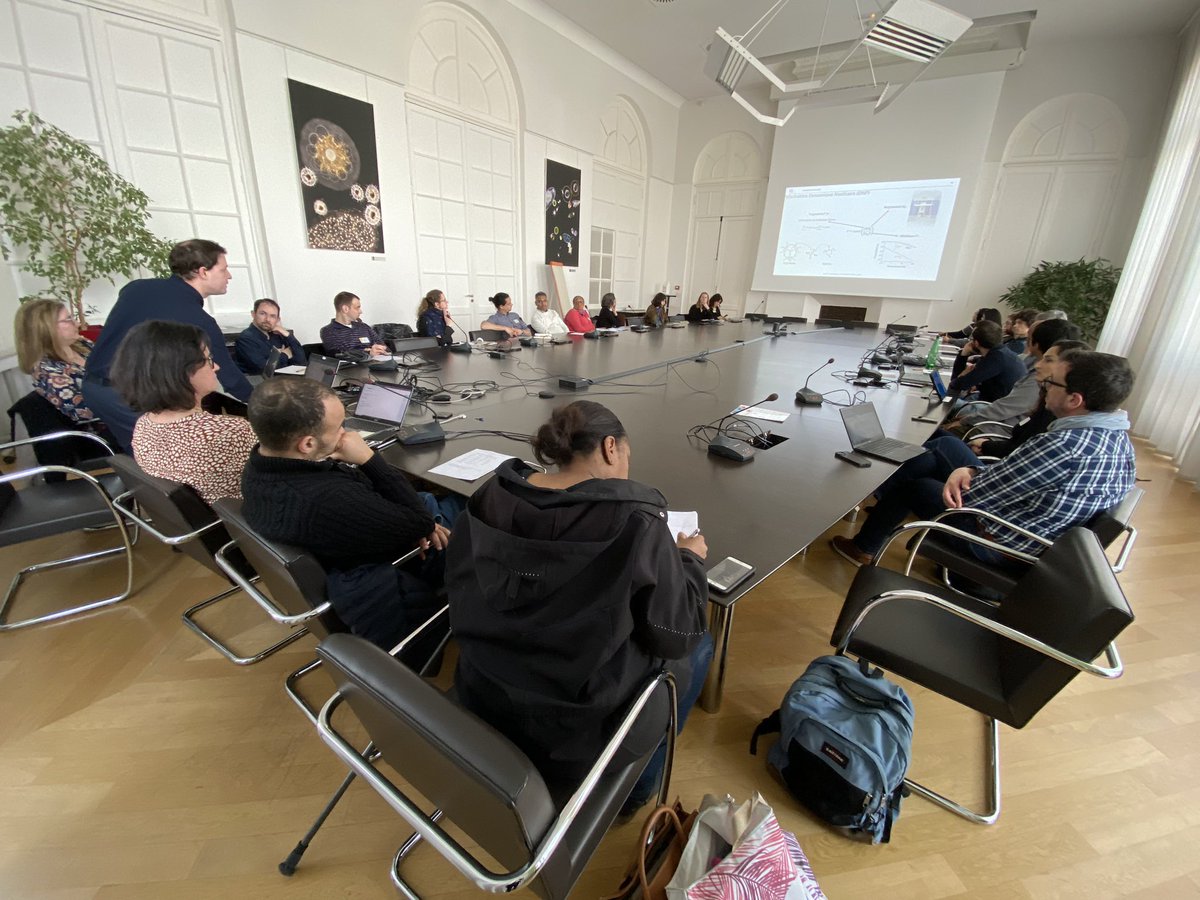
<point>894,230</point>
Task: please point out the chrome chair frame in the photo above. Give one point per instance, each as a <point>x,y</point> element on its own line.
<point>135,516</point>
<point>126,545</point>
<point>992,765</point>
<point>426,827</point>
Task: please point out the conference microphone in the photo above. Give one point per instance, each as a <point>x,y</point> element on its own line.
<point>812,398</point>
<point>731,447</point>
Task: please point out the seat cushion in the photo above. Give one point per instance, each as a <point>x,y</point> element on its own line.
<point>918,641</point>
<point>43,510</point>
<point>1002,580</point>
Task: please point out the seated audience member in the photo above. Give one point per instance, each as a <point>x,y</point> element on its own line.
<point>983,314</point>
<point>504,319</point>
<point>1047,314</point>
<point>312,484</point>
<point>546,320</point>
<point>199,270</point>
<point>700,310</point>
<point>656,312</point>
<point>995,371</point>
<point>265,333</point>
<point>1019,324</point>
<point>714,307</point>
<point>1017,402</point>
<point>1082,464</point>
<point>50,349</point>
<point>554,645</point>
<point>578,321</point>
<point>347,331</point>
<point>163,370</point>
<point>609,317</point>
<point>433,318</point>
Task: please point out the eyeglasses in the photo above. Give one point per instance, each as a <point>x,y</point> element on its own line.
<point>210,362</point>
<point>1050,382</point>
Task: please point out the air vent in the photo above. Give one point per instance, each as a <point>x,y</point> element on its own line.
<point>916,30</point>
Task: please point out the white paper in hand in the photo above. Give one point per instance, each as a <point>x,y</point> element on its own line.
<point>686,522</point>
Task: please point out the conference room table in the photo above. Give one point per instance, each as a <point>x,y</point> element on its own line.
<point>764,511</point>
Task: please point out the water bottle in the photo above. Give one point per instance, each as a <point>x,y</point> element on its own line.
<point>933,360</point>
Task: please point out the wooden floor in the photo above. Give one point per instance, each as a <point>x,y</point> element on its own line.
<point>135,763</point>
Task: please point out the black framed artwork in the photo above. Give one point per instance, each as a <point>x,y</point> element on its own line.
<point>562,213</point>
<point>339,169</point>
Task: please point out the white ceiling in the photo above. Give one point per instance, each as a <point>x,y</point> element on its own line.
<point>669,39</point>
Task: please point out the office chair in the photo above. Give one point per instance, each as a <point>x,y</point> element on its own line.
<point>938,546</point>
<point>51,508</point>
<point>474,776</point>
<point>317,348</point>
<point>40,416</point>
<point>174,514</point>
<point>1005,662</point>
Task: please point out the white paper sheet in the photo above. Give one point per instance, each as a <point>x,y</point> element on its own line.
<point>471,465</point>
<point>289,370</point>
<point>686,522</point>
<point>759,412</point>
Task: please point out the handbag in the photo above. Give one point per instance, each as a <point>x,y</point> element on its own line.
<point>739,850</point>
<point>657,857</point>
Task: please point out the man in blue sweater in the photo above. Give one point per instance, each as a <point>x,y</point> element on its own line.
<point>1082,464</point>
<point>266,333</point>
<point>199,271</point>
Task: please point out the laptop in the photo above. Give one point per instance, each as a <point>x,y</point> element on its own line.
<point>380,410</point>
<point>268,368</point>
<point>866,435</point>
<point>322,368</point>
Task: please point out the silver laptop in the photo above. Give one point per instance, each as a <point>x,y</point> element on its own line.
<point>380,410</point>
<point>322,368</point>
<point>866,435</point>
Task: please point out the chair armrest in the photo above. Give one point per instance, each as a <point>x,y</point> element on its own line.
<point>1131,534</point>
<point>259,597</point>
<point>142,522</point>
<point>925,528</point>
<point>427,828</point>
<point>59,435</point>
<point>1113,670</point>
<point>988,423</point>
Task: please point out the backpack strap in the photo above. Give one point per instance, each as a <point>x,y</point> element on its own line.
<point>770,725</point>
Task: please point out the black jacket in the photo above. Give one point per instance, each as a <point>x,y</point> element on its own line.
<point>994,375</point>
<point>563,604</point>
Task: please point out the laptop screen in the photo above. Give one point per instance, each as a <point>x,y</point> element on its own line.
<point>384,403</point>
<point>862,423</point>
<point>938,385</point>
<point>322,369</point>
<point>272,362</point>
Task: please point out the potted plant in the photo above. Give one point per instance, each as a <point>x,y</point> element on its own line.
<point>1082,289</point>
<point>73,219</point>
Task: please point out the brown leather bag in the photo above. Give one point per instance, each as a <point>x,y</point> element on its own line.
<point>657,857</point>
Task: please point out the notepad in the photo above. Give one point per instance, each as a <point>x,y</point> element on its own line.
<point>472,465</point>
<point>686,522</point>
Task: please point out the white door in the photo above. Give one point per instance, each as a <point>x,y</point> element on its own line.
<point>702,275</point>
<point>463,203</point>
<point>735,261</point>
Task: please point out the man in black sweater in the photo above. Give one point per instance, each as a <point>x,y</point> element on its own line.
<point>312,484</point>
<point>986,365</point>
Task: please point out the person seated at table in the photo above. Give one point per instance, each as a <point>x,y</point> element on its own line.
<point>163,370</point>
<point>1019,324</point>
<point>347,331</point>
<point>546,320</point>
<point>433,318</point>
<point>983,314</point>
<point>264,334</point>
<point>504,319</point>
<point>578,321</point>
<point>50,349</point>
<point>609,317</point>
<point>995,371</point>
<point>700,311</point>
<point>656,312</point>
<point>314,485</point>
<point>567,592</point>
<point>714,307</point>
<point>1082,464</point>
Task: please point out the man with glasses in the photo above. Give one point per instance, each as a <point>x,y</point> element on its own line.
<point>266,333</point>
<point>1082,464</point>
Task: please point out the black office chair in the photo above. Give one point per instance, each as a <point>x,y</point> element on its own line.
<point>1004,662</point>
<point>174,514</point>
<point>40,416</point>
<point>474,776</point>
<point>317,348</point>
<point>50,508</point>
<point>488,334</point>
<point>938,546</point>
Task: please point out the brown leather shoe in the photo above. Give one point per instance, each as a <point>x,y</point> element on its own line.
<point>849,551</point>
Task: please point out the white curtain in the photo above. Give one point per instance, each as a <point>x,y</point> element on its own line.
<point>1155,316</point>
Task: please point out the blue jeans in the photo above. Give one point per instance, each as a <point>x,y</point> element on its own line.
<point>699,659</point>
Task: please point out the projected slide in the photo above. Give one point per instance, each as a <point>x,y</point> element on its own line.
<point>894,230</point>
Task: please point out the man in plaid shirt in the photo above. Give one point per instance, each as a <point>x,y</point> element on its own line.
<point>1082,464</point>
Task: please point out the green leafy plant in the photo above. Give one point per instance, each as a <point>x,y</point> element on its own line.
<point>1082,289</point>
<point>73,218</point>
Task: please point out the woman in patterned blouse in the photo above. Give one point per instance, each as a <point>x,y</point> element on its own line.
<point>50,349</point>
<point>163,370</point>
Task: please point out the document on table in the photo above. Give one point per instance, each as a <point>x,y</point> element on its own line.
<point>289,370</point>
<point>471,465</point>
<point>759,412</point>
<point>686,522</point>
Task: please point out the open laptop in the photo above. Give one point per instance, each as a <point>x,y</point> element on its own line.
<point>269,367</point>
<point>866,435</point>
<point>380,410</point>
<point>322,368</point>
